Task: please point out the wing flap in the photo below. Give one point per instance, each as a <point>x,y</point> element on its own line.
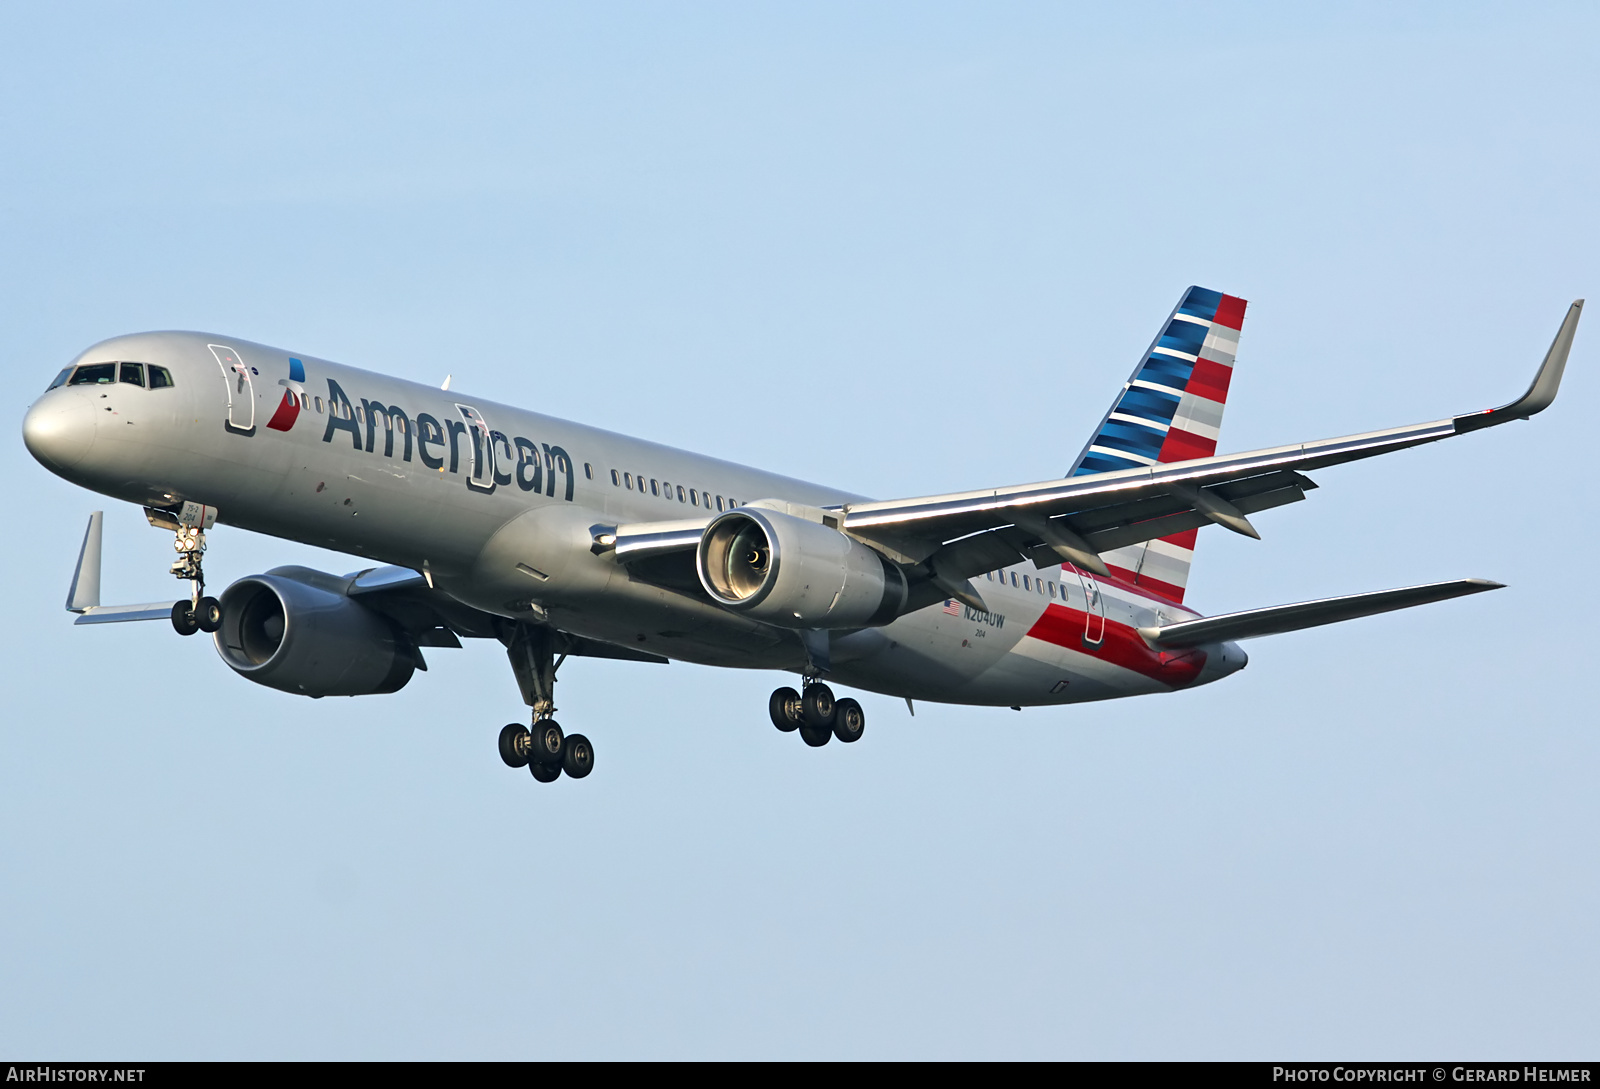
<point>1308,614</point>
<point>1150,529</point>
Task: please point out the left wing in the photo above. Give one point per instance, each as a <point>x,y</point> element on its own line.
<point>83,596</point>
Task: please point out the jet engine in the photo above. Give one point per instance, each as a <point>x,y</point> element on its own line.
<point>796,573</point>
<point>294,629</point>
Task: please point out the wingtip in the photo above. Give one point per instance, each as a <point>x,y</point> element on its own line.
<point>1546,383</point>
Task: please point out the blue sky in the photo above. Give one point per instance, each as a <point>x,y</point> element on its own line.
<point>903,249</point>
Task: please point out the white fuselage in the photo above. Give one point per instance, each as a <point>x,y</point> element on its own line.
<point>499,506</point>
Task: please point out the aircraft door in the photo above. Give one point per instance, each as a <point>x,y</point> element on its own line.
<point>481,451</point>
<point>1094,609</point>
<point>241,391</point>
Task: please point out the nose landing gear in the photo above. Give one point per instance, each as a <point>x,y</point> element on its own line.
<point>544,749</point>
<point>199,613</point>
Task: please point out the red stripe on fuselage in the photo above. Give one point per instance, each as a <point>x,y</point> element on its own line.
<point>1122,646</point>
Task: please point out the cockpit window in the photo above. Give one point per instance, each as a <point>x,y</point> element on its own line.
<point>160,377</point>
<point>61,379</point>
<point>132,373</point>
<point>94,374</point>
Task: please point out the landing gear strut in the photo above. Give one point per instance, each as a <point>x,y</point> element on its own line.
<point>543,748</point>
<point>199,613</point>
<point>815,715</point>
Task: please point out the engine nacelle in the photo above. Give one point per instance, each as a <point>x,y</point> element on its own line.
<point>788,571</point>
<point>294,629</point>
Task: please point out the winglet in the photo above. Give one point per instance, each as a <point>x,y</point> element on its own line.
<point>84,593</point>
<point>1542,393</point>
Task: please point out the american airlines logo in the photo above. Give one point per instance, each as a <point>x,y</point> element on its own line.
<point>488,457</point>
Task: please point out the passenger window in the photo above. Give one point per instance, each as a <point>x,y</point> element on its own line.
<point>588,471</point>
<point>61,379</point>
<point>616,479</point>
<point>627,481</point>
<point>655,488</point>
<point>694,498</point>
<point>681,497</point>
<point>94,374</point>
<point>1052,591</point>
<point>160,377</point>
<point>133,374</point>
<point>1038,587</point>
<point>1013,578</point>
<point>1025,585</point>
<point>719,502</point>
<point>403,427</point>
<point>319,406</point>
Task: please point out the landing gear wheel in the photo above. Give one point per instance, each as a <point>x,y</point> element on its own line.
<point>577,756</point>
<point>546,744</point>
<point>545,773</point>
<point>817,707</point>
<point>208,614</point>
<point>184,621</point>
<point>514,744</point>
<point>784,707</point>
<point>849,721</point>
<point>816,736</point>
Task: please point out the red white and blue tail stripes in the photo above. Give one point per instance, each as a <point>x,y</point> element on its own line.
<point>1169,410</point>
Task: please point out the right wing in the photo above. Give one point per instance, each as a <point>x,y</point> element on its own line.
<point>949,539</point>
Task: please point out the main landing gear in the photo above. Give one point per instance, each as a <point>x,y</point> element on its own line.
<point>815,715</point>
<point>199,613</point>
<point>544,749</point>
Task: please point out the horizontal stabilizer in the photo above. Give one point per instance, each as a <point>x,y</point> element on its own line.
<point>1308,614</point>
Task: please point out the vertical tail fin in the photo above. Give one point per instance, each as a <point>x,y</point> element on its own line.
<point>1169,410</point>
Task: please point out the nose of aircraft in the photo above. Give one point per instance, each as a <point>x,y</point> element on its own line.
<point>59,429</point>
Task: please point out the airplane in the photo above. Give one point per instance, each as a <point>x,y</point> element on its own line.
<point>485,521</point>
